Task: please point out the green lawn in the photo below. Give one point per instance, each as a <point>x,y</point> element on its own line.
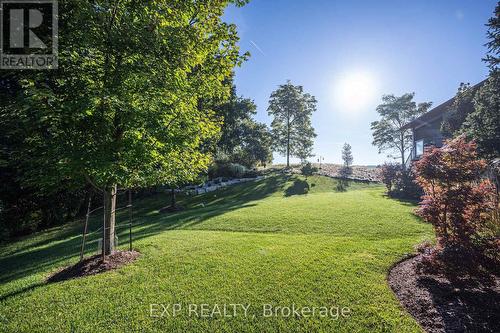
<point>264,242</point>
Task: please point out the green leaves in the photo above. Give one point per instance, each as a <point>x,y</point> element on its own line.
<point>395,112</point>
<point>483,124</point>
<point>128,91</point>
<point>127,104</point>
<point>347,155</point>
<point>242,139</point>
<point>292,130</point>
<point>493,34</point>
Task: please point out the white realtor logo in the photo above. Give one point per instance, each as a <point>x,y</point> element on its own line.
<point>28,34</point>
<point>17,28</point>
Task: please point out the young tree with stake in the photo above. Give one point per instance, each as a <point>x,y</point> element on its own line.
<point>127,105</point>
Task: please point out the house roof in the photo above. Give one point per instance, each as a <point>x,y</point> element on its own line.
<point>430,115</point>
<point>436,112</point>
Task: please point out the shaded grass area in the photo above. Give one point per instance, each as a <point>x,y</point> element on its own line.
<point>265,242</point>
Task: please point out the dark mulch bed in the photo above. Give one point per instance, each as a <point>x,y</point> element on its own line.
<point>94,265</point>
<point>444,303</point>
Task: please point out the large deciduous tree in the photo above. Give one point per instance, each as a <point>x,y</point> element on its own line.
<point>389,133</point>
<point>127,105</point>
<point>255,147</point>
<point>243,140</point>
<point>293,134</point>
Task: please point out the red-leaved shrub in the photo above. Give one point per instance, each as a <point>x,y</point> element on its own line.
<point>457,201</point>
<point>389,174</point>
<point>399,181</point>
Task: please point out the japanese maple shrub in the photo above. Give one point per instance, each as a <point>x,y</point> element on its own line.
<point>459,204</point>
<point>388,174</point>
<point>400,182</point>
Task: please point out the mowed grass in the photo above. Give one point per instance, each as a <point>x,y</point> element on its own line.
<point>264,243</point>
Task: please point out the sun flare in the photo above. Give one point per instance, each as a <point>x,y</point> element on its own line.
<point>355,91</point>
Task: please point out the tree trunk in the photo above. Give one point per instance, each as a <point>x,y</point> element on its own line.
<point>172,198</point>
<point>288,154</point>
<point>109,220</point>
<point>288,141</point>
<point>403,166</point>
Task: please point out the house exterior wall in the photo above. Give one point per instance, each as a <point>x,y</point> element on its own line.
<point>430,134</point>
<point>426,129</point>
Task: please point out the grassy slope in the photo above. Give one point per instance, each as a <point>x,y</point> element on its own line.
<point>260,243</point>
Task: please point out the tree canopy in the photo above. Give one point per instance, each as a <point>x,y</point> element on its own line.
<point>347,155</point>
<point>493,44</point>
<point>243,140</point>
<point>483,124</point>
<point>463,104</point>
<point>292,108</point>
<point>128,105</point>
<point>389,133</point>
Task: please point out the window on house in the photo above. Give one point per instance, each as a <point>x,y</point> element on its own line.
<point>419,148</point>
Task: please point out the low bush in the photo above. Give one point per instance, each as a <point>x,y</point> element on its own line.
<point>389,174</point>
<point>407,187</point>
<point>251,174</point>
<point>308,169</point>
<point>227,169</point>
<point>400,183</point>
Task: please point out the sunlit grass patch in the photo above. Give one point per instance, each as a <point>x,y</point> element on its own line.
<point>247,244</point>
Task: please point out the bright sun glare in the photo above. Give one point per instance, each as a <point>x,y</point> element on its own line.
<point>355,91</point>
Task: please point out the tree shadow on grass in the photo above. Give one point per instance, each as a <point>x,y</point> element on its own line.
<point>64,247</point>
<point>298,187</point>
<point>203,207</point>
<point>404,201</point>
<point>22,290</point>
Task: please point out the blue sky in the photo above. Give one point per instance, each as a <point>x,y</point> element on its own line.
<point>423,46</point>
